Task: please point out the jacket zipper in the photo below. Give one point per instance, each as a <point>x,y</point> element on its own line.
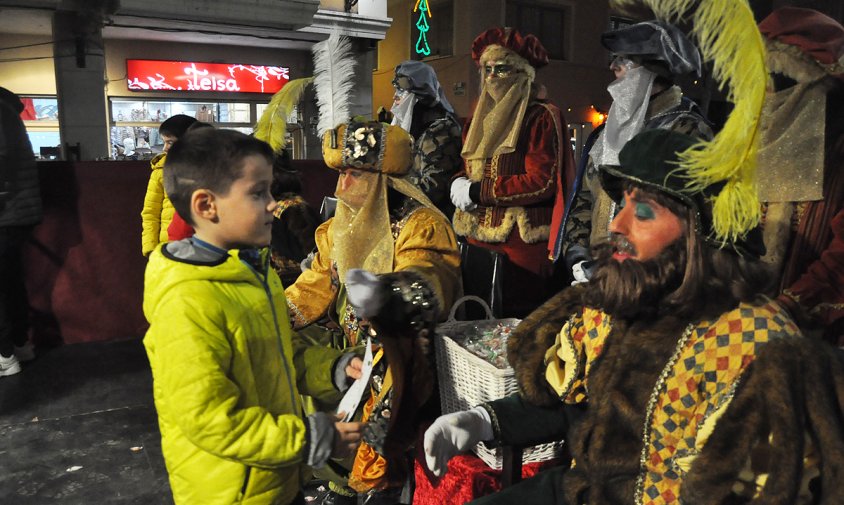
<point>277,329</point>
<point>245,481</point>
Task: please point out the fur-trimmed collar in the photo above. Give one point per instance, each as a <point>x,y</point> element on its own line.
<point>527,344</point>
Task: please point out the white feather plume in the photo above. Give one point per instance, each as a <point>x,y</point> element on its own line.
<point>334,80</point>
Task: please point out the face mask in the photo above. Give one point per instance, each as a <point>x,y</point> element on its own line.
<point>403,104</point>
<point>497,87</point>
<point>631,95</point>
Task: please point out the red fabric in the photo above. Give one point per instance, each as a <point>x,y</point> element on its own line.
<point>84,275</point>
<point>527,273</point>
<point>28,112</point>
<point>528,46</point>
<point>816,34</point>
<point>179,229</point>
<point>821,288</point>
<point>468,478</point>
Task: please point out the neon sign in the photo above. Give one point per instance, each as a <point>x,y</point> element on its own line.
<point>146,75</point>
<point>422,46</point>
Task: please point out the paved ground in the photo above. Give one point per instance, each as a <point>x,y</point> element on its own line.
<point>78,426</point>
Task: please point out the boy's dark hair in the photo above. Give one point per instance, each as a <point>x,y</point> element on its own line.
<point>207,158</point>
<point>176,125</point>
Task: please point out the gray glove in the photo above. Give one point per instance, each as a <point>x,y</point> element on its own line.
<point>365,292</point>
<point>454,433</point>
<point>460,194</point>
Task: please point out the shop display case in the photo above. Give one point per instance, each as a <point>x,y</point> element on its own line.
<point>134,122</point>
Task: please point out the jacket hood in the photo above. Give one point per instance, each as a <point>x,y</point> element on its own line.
<point>157,163</point>
<point>182,261</point>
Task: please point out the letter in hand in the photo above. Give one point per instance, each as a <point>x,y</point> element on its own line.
<point>346,437</point>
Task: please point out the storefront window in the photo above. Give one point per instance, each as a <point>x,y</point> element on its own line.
<point>134,123</point>
<point>41,119</point>
<point>549,22</point>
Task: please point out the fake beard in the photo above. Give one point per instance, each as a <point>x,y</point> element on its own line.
<point>635,289</point>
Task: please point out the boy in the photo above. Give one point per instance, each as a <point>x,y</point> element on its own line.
<point>158,210</point>
<point>226,369</point>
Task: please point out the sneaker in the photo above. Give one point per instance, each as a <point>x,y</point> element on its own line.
<point>9,366</point>
<point>25,353</point>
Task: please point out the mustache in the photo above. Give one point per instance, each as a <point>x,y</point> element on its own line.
<point>621,244</point>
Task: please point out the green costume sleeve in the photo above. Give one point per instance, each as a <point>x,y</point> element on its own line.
<point>521,424</point>
<point>314,366</point>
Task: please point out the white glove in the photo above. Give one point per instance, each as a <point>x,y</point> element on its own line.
<point>460,194</point>
<point>578,273</point>
<point>364,292</point>
<point>453,433</point>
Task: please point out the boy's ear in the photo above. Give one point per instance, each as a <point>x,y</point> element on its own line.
<point>203,204</point>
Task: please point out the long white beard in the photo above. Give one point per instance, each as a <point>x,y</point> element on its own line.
<point>627,115</point>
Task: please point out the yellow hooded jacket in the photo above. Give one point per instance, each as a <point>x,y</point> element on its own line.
<point>158,211</point>
<point>226,378</point>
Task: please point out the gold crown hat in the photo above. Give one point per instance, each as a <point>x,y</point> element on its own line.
<point>370,146</point>
<point>729,39</point>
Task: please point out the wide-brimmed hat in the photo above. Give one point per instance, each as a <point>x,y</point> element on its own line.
<point>651,160</point>
<point>527,46</point>
<point>659,46</point>
<point>808,36</point>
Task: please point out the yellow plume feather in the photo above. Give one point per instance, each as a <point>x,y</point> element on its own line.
<point>727,35</point>
<point>272,126</point>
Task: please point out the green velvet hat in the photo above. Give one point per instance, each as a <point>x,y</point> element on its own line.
<point>651,160</point>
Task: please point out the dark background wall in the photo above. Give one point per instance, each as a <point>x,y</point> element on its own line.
<point>84,265</point>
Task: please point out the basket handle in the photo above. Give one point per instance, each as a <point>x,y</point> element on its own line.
<point>467,298</point>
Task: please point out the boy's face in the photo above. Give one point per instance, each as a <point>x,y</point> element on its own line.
<point>244,216</point>
<point>169,140</point>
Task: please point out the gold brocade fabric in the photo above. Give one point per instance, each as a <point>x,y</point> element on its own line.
<point>791,152</point>
<point>370,467</point>
<point>496,125</point>
<point>363,238</point>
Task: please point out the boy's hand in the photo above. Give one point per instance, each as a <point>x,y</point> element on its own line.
<point>354,368</point>
<point>347,437</point>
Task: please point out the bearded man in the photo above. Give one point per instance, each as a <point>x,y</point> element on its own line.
<point>648,57</point>
<point>699,390</point>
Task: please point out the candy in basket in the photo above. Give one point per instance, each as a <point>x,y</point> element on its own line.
<point>472,369</point>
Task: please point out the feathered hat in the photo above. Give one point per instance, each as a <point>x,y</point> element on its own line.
<point>370,146</point>
<point>729,39</point>
<point>347,143</point>
<point>272,126</point>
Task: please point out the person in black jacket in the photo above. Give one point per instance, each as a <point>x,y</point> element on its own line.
<point>20,211</point>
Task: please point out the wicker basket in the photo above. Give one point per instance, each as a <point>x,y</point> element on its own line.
<point>467,380</point>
